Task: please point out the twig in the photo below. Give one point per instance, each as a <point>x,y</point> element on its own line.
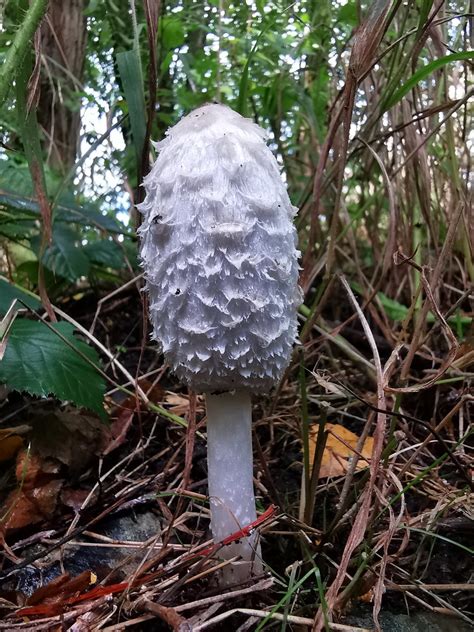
<point>262,614</point>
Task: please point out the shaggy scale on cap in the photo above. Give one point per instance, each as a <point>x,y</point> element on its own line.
<point>219,253</point>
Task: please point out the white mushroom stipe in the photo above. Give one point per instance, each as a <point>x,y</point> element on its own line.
<point>221,264</point>
<point>232,506</point>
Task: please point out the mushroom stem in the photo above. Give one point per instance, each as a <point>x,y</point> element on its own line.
<point>230,475</point>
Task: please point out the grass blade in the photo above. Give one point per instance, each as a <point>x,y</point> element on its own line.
<point>424,72</point>
<point>130,70</point>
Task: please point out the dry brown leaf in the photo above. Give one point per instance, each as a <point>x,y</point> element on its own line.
<point>70,436</point>
<point>179,403</point>
<point>74,498</point>
<point>25,508</point>
<point>367,597</point>
<point>116,434</point>
<point>123,414</point>
<point>10,443</point>
<point>154,392</point>
<point>33,471</point>
<point>340,449</point>
<point>36,498</point>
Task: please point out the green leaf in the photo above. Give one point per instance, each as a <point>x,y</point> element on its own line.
<point>18,202</point>
<point>424,11</point>
<point>15,230</point>
<point>105,252</point>
<point>244,79</point>
<point>9,292</point>
<point>15,176</point>
<point>26,275</point>
<point>89,215</point>
<point>398,312</point>
<point>394,310</point>
<point>86,214</point>
<point>38,361</point>
<point>30,137</point>
<point>64,257</point>
<point>130,70</point>
<point>173,34</point>
<point>348,14</point>
<point>424,72</point>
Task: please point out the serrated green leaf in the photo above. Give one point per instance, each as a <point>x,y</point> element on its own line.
<point>15,176</point>
<point>12,200</point>
<point>65,257</point>
<point>38,361</point>
<point>88,215</point>
<point>9,292</point>
<point>85,213</point>
<point>15,230</point>
<point>105,252</point>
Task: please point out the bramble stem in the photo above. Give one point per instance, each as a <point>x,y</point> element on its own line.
<point>21,41</point>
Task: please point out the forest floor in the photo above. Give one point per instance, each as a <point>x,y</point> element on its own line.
<point>106,525</point>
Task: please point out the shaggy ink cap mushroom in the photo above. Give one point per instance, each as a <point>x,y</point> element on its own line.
<point>219,253</point>
<point>221,265</point>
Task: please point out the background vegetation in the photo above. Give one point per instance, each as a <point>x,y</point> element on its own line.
<point>368,109</point>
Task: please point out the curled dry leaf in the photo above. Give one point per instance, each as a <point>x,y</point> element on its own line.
<point>340,449</point>
<point>33,471</point>
<point>36,497</point>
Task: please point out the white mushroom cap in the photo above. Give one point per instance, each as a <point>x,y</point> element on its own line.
<point>219,253</point>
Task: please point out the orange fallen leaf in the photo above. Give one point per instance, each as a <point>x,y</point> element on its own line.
<point>33,471</point>
<point>11,440</point>
<point>340,449</point>
<point>36,498</point>
<point>367,597</point>
<point>10,443</point>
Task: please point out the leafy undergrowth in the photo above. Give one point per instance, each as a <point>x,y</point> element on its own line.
<point>108,522</point>
<point>363,454</point>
